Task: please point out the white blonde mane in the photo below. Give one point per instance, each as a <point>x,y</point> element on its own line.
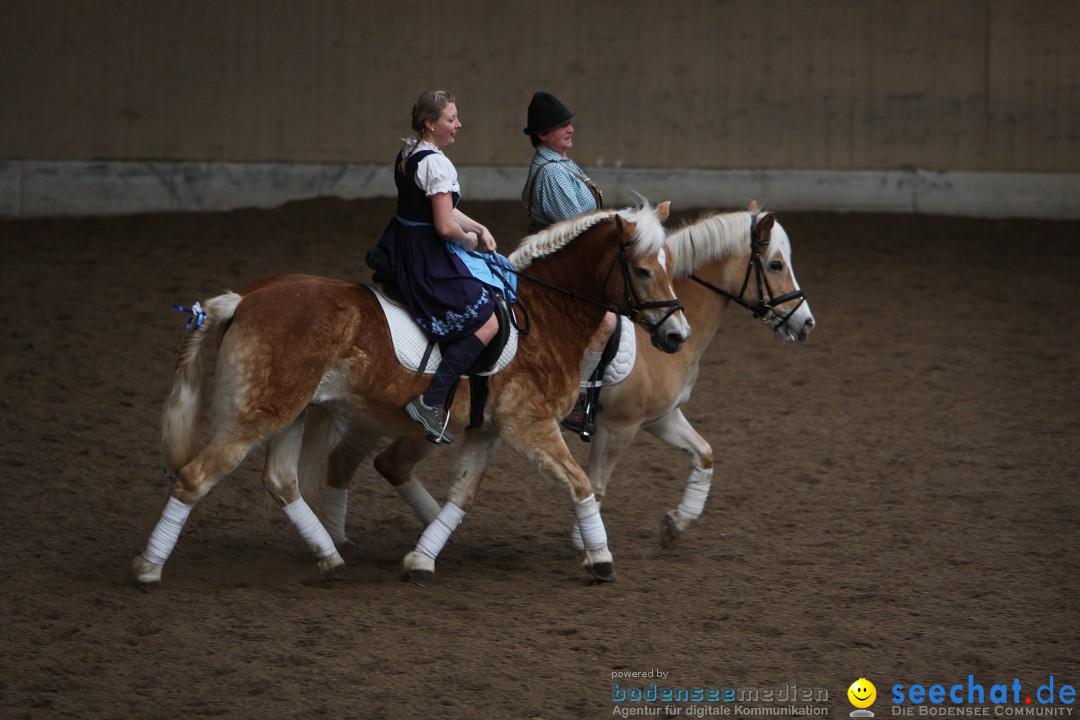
<point>716,237</point>
<point>649,239</point>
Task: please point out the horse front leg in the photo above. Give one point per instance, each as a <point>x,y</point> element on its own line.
<point>675,430</point>
<point>542,443</point>
<point>609,443</point>
<point>470,466</point>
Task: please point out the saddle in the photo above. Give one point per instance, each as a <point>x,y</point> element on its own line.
<point>415,352</point>
<point>619,355</point>
<point>616,363</point>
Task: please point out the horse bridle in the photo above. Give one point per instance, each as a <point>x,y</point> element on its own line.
<point>766,301</point>
<point>634,304</point>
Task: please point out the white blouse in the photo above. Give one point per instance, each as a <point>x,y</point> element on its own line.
<point>435,174</point>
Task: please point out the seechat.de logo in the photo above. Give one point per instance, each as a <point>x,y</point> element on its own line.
<point>1008,699</point>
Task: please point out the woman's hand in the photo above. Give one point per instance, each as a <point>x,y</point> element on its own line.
<point>485,241</point>
<point>471,241</point>
<point>478,239</point>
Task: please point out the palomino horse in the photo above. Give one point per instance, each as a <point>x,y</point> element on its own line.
<point>741,257</point>
<point>291,341</point>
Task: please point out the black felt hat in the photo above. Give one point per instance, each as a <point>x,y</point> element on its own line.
<point>546,113</point>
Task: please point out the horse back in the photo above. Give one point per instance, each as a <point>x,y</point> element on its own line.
<point>318,339</point>
<point>297,278</point>
<point>307,313</point>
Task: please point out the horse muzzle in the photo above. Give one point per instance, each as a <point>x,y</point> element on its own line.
<point>794,329</point>
<point>669,340</point>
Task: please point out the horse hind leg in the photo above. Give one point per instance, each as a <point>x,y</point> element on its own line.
<point>280,480</point>
<point>219,458</point>
<point>331,453</point>
<point>677,431</point>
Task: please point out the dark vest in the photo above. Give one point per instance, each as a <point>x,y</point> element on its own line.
<point>413,204</point>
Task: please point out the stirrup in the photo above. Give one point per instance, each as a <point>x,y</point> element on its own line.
<point>433,419</point>
<point>580,418</point>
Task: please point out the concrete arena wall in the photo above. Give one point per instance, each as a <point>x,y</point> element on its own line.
<point>50,188</point>
<point>827,97</point>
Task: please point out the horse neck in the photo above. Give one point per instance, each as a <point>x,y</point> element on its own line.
<point>704,310</point>
<point>714,238</point>
<point>573,269</point>
<point>715,250</point>
<point>582,266</point>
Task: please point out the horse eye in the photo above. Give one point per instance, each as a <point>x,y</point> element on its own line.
<point>642,272</point>
<point>776,266</point>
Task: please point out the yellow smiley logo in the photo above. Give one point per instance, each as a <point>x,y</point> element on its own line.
<point>862,693</point>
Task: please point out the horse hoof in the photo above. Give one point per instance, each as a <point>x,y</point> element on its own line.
<point>145,574</point>
<point>332,567</point>
<point>338,572</point>
<point>419,569</point>
<point>672,525</point>
<point>422,578</point>
<point>348,550</point>
<point>602,572</point>
<point>331,570</point>
<point>669,532</point>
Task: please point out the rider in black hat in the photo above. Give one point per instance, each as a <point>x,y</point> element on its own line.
<point>546,113</point>
<point>556,190</point>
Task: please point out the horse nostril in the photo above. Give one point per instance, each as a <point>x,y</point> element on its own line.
<point>808,325</point>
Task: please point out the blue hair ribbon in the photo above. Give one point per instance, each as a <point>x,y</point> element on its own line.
<point>197,315</point>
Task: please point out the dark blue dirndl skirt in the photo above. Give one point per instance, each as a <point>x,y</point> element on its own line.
<point>443,297</point>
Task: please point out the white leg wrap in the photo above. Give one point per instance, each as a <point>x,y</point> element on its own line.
<point>166,532</point>
<point>309,527</point>
<point>439,531</point>
<point>419,499</point>
<point>575,534</point>
<point>335,508</point>
<point>697,491</point>
<point>593,534</point>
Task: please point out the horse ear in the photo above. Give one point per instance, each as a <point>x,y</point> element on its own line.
<point>662,210</point>
<point>764,228</point>
<point>754,207</point>
<point>620,226</point>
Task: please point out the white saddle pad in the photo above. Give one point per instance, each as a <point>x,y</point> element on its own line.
<point>620,366</point>
<point>410,342</point>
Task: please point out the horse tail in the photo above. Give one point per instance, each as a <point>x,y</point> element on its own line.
<point>180,417</point>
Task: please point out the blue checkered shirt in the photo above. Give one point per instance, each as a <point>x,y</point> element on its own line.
<point>557,194</point>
